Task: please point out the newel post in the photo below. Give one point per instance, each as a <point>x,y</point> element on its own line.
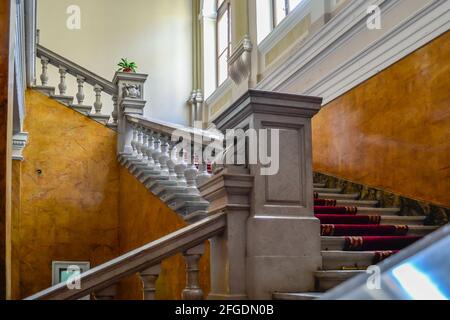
<point>281,236</point>
<point>130,101</point>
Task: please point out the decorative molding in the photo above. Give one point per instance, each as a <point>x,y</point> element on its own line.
<point>424,26</point>
<point>319,45</point>
<point>412,33</point>
<point>132,91</point>
<point>19,141</point>
<point>286,25</point>
<point>240,62</point>
<point>219,92</point>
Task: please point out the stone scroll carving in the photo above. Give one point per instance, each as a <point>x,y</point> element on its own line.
<point>239,65</point>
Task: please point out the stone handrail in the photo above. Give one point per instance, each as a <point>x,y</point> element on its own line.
<point>76,70</point>
<point>146,261</point>
<point>83,76</point>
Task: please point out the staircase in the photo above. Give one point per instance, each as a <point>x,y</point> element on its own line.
<point>355,235</point>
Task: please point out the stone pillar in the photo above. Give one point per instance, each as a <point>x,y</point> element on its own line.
<point>130,101</point>
<point>229,191</point>
<point>282,234</point>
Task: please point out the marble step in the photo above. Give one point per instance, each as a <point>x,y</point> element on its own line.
<point>357,203</point>
<point>47,90</point>
<point>403,220</point>
<point>86,110</point>
<point>66,100</point>
<point>319,185</point>
<point>339,196</point>
<point>327,190</point>
<point>369,211</point>
<point>296,296</point>
<point>186,208</point>
<point>100,118</point>
<point>326,280</point>
<point>336,260</point>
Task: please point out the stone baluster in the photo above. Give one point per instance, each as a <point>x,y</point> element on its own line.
<point>80,93</point>
<point>150,149</point>
<point>180,167</point>
<point>144,147</point>
<point>203,174</point>
<point>164,156</point>
<point>134,141</point>
<point>172,161</point>
<point>157,151</point>
<point>190,174</point>
<point>139,143</point>
<point>148,278</point>
<point>115,113</point>
<point>62,81</point>
<point>44,75</point>
<point>98,99</point>
<point>192,257</point>
<point>106,294</point>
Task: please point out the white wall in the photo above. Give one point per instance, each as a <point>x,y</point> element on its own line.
<point>156,34</point>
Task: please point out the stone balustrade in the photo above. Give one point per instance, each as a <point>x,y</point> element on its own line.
<point>99,86</point>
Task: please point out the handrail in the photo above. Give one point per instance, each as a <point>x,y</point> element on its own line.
<point>168,128</point>
<point>109,273</point>
<point>76,70</point>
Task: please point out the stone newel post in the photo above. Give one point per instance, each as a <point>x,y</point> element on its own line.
<point>130,101</point>
<point>273,244</point>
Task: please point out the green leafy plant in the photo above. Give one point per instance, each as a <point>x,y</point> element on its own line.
<point>127,66</point>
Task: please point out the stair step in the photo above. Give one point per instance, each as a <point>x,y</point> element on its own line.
<point>339,196</point>
<point>100,118</point>
<point>327,190</point>
<point>337,259</point>
<point>319,185</point>
<point>66,100</point>
<point>326,280</point>
<point>296,296</point>
<point>421,231</point>
<point>47,90</point>
<point>378,211</point>
<point>403,220</point>
<point>356,203</point>
<point>384,243</point>
<point>86,110</point>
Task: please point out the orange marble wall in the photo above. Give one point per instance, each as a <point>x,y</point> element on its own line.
<point>69,193</point>
<point>393,131</point>
<point>144,218</point>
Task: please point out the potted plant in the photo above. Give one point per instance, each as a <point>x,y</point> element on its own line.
<point>126,66</point>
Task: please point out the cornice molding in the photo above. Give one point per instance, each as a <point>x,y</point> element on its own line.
<point>19,141</point>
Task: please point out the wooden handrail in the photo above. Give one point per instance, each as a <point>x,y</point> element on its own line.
<point>109,273</point>
<point>76,70</point>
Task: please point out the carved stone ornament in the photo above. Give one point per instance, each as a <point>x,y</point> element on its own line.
<point>132,91</point>
<point>240,61</point>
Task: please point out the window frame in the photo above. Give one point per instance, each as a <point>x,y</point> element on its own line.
<point>224,8</point>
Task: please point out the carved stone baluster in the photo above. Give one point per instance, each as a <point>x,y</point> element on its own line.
<point>191,175</point>
<point>62,82</point>
<point>157,151</point>
<point>115,113</point>
<point>98,99</point>
<point>134,140</point>
<point>164,156</point>
<point>150,149</point>
<point>180,167</point>
<point>44,75</point>
<point>149,278</point>
<point>172,162</point>
<point>80,93</point>
<point>139,143</point>
<point>144,147</point>
<point>192,257</point>
<point>106,294</point>
<point>203,174</point>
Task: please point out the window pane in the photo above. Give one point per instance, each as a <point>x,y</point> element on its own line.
<point>222,32</point>
<point>223,68</point>
<point>263,18</point>
<point>279,10</point>
<point>293,4</point>
<point>219,3</point>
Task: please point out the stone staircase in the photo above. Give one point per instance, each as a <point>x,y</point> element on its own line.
<point>340,262</point>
